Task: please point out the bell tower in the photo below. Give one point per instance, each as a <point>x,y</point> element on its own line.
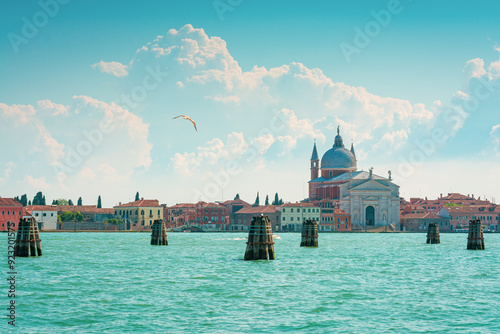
<point>314,163</point>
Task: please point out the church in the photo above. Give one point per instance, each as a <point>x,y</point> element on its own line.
<point>371,200</point>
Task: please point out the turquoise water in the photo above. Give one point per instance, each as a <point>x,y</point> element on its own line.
<point>352,283</point>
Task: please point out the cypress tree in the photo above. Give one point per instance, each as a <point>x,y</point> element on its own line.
<point>99,204</point>
<point>24,200</point>
<point>80,201</point>
<point>257,201</point>
<point>137,196</point>
<point>237,197</point>
<point>267,199</point>
<point>276,199</point>
<point>70,202</point>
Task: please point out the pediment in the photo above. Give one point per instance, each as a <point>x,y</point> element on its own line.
<point>371,185</point>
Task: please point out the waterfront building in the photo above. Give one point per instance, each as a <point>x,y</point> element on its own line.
<point>45,215</point>
<point>419,222</point>
<point>434,205</point>
<point>11,211</point>
<point>180,214</point>
<point>370,199</point>
<point>234,206</point>
<point>294,214</point>
<point>332,218</point>
<point>139,215</point>
<point>460,215</point>
<point>211,216</point>
<point>243,217</point>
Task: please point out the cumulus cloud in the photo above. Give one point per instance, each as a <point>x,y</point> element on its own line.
<point>56,109</point>
<point>112,67</point>
<point>474,68</point>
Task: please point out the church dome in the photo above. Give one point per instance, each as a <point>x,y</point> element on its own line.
<point>338,157</point>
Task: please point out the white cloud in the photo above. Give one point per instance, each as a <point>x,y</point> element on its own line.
<point>113,67</point>
<point>474,68</point>
<point>57,109</point>
<point>38,183</point>
<point>263,143</point>
<point>17,112</point>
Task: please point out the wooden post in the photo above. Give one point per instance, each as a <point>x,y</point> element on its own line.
<point>27,239</point>
<point>309,234</point>
<point>260,244</point>
<point>159,233</point>
<point>433,234</point>
<point>475,239</point>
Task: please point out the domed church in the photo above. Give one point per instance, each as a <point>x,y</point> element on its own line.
<point>371,200</point>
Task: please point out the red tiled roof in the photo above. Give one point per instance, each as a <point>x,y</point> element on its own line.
<point>32,208</point>
<point>212,205</point>
<point>9,202</point>
<point>141,203</point>
<point>423,215</point>
<point>182,205</point>
<point>258,209</point>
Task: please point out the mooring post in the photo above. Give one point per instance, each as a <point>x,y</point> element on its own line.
<point>159,233</point>
<point>260,244</point>
<point>309,234</point>
<point>433,234</point>
<point>27,239</point>
<point>475,240</point>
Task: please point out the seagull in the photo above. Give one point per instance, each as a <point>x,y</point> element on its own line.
<point>189,119</point>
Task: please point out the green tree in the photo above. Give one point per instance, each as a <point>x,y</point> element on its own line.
<point>78,216</point>
<point>267,200</point>
<point>54,202</point>
<point>280,202</point>
<point>276,199</point>
<point>113,221</point>
<point>99,204</point>
<point>61,201</point>
<point>257,201</point>
<point>237,197</point>
<point>70,202</point>
<point>39,199</point>
<point>452,204</point>
<point>29,202</point>
<point>137,196</point>
<point>66,216</point>
<point>80,202</point>
<point>24,200</point>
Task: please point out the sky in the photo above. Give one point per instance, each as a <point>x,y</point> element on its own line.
<point>89,90</point>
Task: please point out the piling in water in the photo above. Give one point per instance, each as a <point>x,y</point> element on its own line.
<point>309,234</point>
<point>27,239</point>
<point>260,244</point>
<point>475,240</point>
<point>433,234</point>
<point>159,233</point>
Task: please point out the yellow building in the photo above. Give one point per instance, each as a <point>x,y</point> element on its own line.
<point>139,215</point>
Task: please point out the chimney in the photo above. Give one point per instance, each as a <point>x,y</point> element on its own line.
<point>119,203</point>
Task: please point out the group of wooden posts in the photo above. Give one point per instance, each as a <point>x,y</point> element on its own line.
<point>475,240</point>
<point>260,244</point>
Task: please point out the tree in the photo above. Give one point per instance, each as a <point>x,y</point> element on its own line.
<point>280,202</point>
<point>137,196</point>
<point>237,197</point>
<point>257,202</point>
<point>113,221</point>
<point>54,202</point>
<point>267,200</point>
<point>80,201</point>
<point>452,204</point>
<point>99,204</point>
<point>24,200</point>
<point>70,202</point>
<point>78,216</point>
<point>61,201</point>
<point>29,202</point>
<point>276,199</point>
<point>17,199</point>
<point>39,199</point>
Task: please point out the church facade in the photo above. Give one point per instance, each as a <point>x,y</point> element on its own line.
<point>370,199</point>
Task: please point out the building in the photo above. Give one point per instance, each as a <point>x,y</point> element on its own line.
<point>294,214</point>
<point>11,211</point>
<point>180,214</point>
<point>235,205</point>
<point>211,216</point>
<point>45,215</point>
<point>460,216</point>
<point>419,222</point>
<point>370,200</point>
<point>139,215</point>
<point>243,217</point>
<point>333,219</point>
<point>434,205</point>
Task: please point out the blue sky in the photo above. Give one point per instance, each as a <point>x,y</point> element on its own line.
<point>388,98</point>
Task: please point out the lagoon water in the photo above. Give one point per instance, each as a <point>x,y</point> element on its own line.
<point>352,283</point>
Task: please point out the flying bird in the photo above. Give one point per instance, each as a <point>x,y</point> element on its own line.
<point>189,119</point>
